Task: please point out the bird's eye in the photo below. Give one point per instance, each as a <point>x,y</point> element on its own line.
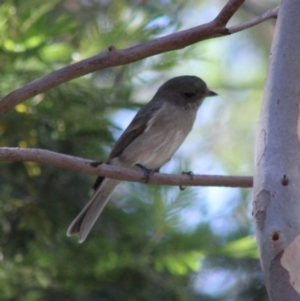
<point>189,94</point>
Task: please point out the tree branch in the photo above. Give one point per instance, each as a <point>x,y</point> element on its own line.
<point>91,167</point>
<point>228,11</point>
<point>115,57</point>
<point>271,13</point>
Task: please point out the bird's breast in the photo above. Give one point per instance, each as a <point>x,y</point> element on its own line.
<point>163,135</point>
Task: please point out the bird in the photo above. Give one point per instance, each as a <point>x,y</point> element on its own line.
<point>149,141</point>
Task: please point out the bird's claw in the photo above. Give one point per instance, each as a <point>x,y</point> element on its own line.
<point>191,174</point>
<point>147,171</point>
<point>96,163</point>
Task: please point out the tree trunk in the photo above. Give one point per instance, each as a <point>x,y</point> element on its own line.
<point>276,205</point>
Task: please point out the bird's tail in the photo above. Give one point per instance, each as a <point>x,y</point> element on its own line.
<point>85,220</point>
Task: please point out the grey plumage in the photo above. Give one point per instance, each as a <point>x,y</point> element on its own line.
<point>151,139</point>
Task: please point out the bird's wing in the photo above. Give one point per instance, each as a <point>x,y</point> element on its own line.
<point>137,126</point>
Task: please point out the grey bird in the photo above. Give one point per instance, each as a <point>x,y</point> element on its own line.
<point>150,140</point>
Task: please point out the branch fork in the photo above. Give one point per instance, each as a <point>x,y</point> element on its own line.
<point>116,57</point>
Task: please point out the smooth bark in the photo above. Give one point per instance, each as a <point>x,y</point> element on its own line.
<point>42,156</point>
<point>276,205</point>
<point>117,57</point>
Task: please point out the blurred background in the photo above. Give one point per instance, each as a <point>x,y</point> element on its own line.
<point>151,243</point>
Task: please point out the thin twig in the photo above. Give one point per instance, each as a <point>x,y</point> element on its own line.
<point>42,156</point>
<point>271,13</point>
<point>116,57</point>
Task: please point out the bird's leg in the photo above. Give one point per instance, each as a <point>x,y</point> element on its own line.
<point>190,173</point>
<point>147,172</point>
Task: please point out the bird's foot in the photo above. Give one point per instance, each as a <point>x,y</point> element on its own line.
<point>147,172</point>
<point>189,173</point>
<point>96,163</point>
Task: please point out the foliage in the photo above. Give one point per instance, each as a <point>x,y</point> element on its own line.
<point>141,249</point>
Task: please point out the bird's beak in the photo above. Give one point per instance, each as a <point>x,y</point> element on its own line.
<point>211,93</point>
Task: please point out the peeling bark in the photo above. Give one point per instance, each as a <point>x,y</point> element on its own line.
<point>276,205</point>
